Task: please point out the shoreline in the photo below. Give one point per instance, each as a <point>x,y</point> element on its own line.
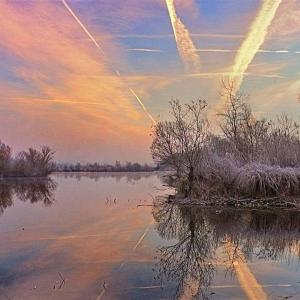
<point>235,203</point>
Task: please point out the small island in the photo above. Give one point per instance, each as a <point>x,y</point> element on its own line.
<point>252,162</point>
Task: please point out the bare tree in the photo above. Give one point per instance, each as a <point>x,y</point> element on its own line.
<point>245,133</point>
<point>5,158</point>
<point>34,162</point>
<point>179,142</point>
<point>283,148</point>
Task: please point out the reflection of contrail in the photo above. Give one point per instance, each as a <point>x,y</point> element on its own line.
<point>255,38</point>
<point>183,39</point>
<point>246,278</point>
<point>101,50</point>
<point>143,235</point>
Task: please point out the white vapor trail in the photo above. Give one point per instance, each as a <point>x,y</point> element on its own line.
<point>144,50</point>
<point>82,26</point>
<point>252,43</point>
<point>185,45</point>
<point>234,50</point>
<point>102,52</point>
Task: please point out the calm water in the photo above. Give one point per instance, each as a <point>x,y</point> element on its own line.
<point>100,237</point>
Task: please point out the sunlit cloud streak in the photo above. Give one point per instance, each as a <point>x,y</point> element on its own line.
<point>102,52</point>
<point>185,45</point>
<point>224,74</point>
<point>31,100</point>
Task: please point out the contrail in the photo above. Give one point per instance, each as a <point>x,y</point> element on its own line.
<point>250,46</point>
<point>142,105</point>
<point>252,43</point>
<point>162,36</point>
<point>185,45</point>
<point>82,26</point>
<point>102,52</point>
<point>234,50</point>
<point>144,50</point>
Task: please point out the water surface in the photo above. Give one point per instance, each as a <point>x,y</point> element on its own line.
<point>98,236</point>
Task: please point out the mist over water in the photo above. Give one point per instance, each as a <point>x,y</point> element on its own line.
<point>112,236</point>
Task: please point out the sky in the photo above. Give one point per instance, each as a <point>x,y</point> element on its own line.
<point>90,77</point>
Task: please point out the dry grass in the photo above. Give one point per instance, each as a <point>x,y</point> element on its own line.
<point>221,182</point>
<point>263,181</point>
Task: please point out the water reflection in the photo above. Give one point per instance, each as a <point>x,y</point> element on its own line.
<point>32,190</point>
<point>197,236</point>
<point>131,177</point>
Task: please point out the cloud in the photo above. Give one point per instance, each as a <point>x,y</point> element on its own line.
<point>48,56</point>
<point>286,23</point>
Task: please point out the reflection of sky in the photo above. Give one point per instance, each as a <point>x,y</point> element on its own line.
<point>59,85</point>
<point>89,239</point>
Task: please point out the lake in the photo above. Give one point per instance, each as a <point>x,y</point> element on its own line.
<point>99,236</point>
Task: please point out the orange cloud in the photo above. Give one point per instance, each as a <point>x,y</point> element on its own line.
<point>52,59</point>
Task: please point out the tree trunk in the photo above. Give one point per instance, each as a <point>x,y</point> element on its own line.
<point>191,179</point>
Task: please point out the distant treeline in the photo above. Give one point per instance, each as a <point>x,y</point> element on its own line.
<point>40,163</point>
<point>97,167</point>
<point>31,163</point>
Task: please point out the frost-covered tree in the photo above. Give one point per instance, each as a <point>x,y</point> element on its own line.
<point>180,141</point>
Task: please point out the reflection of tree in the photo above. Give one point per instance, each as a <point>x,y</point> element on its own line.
<point>5,197</point>
<point>188,261</point>
<point>198,233</point>
<point>32,190</point>
<point>131,177</point>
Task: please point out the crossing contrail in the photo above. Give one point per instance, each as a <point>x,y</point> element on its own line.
<point>253,41</point>
<point>185,45</point>
<point>103,53</point>
<point>250,46</point>
<point>258,51</point>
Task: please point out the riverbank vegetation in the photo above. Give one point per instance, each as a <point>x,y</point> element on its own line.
<point>31,163</point>
<point>252,162</point>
